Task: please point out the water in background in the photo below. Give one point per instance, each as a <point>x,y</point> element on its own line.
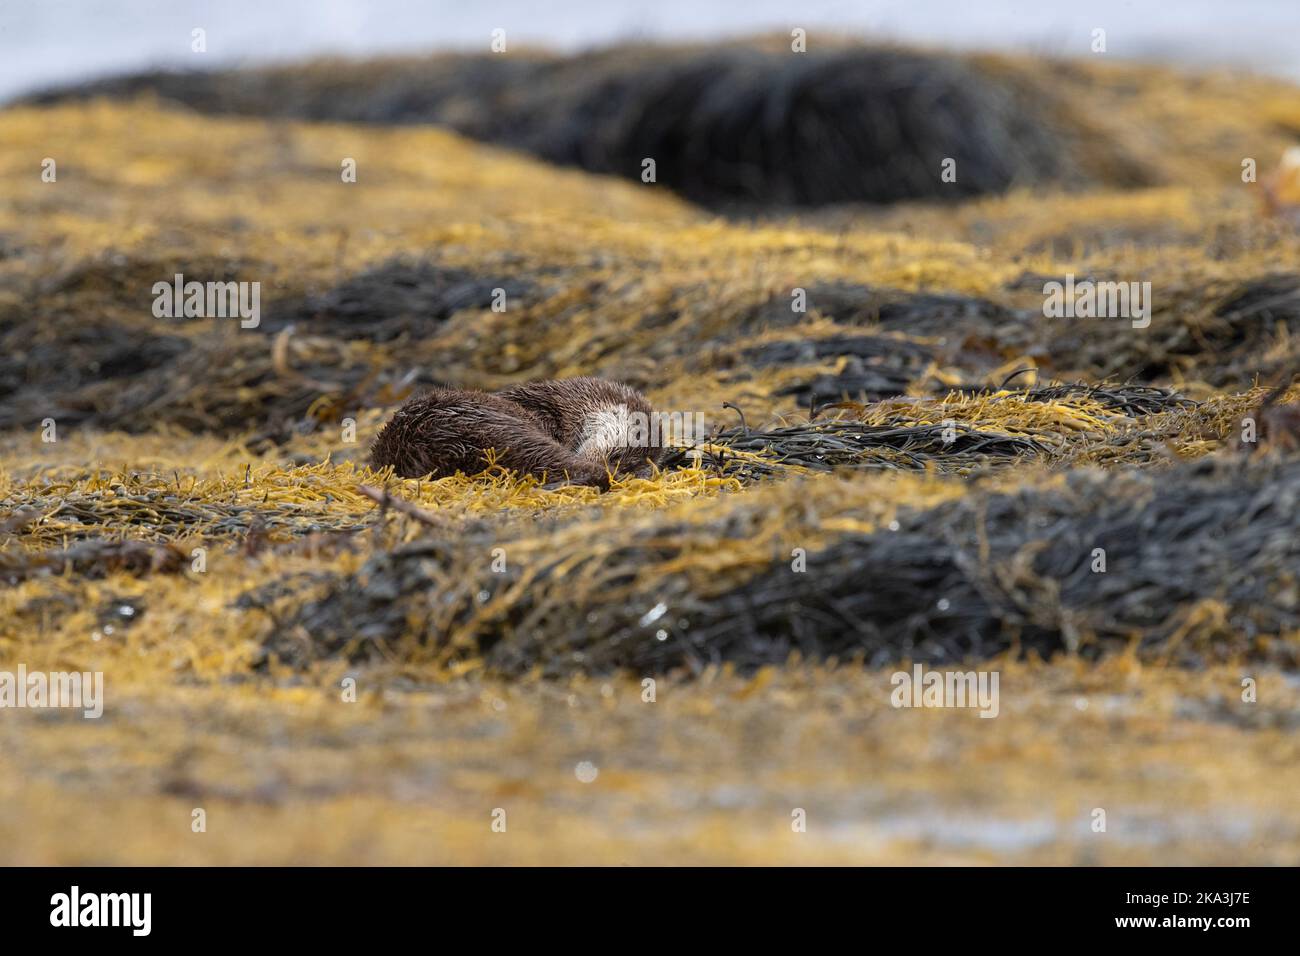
<point>50,42</point>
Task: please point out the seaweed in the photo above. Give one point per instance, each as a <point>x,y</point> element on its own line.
<point>867,366</point>
<point>824,446</point>
<point>1196,564</point>
<point>94,559</point>
<point>398,298</point>
<point>731,126</point>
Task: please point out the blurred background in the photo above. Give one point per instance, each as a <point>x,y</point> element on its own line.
<point>50,42</point>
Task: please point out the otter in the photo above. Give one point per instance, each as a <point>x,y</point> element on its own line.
<point>579,429</point>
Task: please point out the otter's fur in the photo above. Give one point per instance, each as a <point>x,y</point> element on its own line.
<point>578,428</point>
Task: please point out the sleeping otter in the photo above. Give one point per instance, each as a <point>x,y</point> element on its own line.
<point>582,429</point>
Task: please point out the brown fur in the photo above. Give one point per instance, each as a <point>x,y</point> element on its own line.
<point>564,406</point>
<point>535,429</point>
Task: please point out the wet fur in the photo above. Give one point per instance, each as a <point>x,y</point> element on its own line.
<point>572,429</point>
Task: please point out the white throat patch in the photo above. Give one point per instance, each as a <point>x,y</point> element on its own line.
<point>604,430</point>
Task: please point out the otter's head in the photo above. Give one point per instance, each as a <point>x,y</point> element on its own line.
<point>626,439</point>
<point>606,423</point>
